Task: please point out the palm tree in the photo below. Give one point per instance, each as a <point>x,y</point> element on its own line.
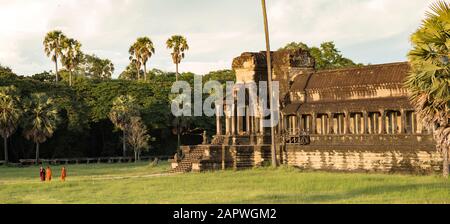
<point>430,76</point>
<point>53,46</point>
<point>72,56</point>
<point>40,119</point>
<point>135,57</point>
<point>10,113</point>
<point>146,51</point>
<point>178,44</point>
<point>123,109</point>
<point>269,75</point>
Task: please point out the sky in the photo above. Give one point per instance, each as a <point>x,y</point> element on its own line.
<point>366,31</point>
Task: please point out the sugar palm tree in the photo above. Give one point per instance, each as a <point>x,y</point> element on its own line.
<point>135,56</point>
<point>429,80</point>
<point>72,56</point>
<point>179,45</point>
<point>40,119</point>
<point>53,46</point>
<point>146,51</point>
<point>10,113</point>
<point>123,109</point>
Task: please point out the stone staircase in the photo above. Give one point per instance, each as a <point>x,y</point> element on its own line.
<point>185,165</point>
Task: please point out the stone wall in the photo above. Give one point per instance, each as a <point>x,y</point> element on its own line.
<point>349,153</point>
<point>233,157</point>
<point>387,154</point>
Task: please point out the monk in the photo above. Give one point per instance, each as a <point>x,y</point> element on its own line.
<point>63,174</point>
<point>42,173</point>
<point>48,174</point>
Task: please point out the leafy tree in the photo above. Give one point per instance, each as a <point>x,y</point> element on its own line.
<point>97,68</point>
<point>123,109</point>
<point>5,70</point>
<point>429,80</point>
<point>40,119</point>
<point>85,129</point>
<point>179,45</point>
<point>295,46</point>
<point>44,77</point>
<point>138,137</point>
<point>10,114</point>
<point>221,76</point>
<point>53,46</point>
<point>131,72</point>
<point>72,56</point>
<point>327,56</point>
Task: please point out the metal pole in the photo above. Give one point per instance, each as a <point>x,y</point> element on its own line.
<point>269,77</point>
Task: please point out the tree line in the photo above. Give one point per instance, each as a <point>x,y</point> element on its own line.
<point>85,127</point>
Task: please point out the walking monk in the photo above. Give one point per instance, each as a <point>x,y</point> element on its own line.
<point>48,174</point>
<point>42,173</point>
<point>63,174</point>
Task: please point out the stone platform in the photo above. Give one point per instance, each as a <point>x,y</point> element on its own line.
<point>348,153</point>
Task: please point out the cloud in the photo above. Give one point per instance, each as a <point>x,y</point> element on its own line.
<point>369,31</point>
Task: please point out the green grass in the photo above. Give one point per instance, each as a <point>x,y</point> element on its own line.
<point>97,184</point>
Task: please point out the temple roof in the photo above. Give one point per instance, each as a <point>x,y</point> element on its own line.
<point>393,73</point>
<point>370,105</point>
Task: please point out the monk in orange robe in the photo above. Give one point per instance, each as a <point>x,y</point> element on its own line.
<point>63,174</point>
<point>48,174</point>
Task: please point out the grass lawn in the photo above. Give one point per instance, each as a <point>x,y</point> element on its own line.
<point>136,183</point>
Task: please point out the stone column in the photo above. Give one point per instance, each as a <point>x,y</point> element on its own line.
<point>420,127</point>
<point>313,123</point>
<point>394,122</point>
<point>339,127</point>
<point>323,125</point>
<point>383,122</point>
<point>218,125</point>
<point>247,121</point>
<point>347,123</point>
<point>251,123</point>
<point>366,122</point>
<point>256,125</point>
<point>376,124</point>
<point>330,129</point>
<point>308,123</point>
<point>241,120</point>
<point>233,119</point>
<point>300,123</point>
<point>227,125</point>
<point>261,125</point>
<point>403,123</point>
<point>357,125</point>
<point>295,124</point>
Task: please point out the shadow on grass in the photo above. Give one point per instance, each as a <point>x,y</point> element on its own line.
<point>363,195</point>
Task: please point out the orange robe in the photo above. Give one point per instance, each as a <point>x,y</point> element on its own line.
<point>63,174</point>
<point>48,174</point>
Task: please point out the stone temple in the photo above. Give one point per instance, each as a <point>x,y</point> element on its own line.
<point>351,119</point>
